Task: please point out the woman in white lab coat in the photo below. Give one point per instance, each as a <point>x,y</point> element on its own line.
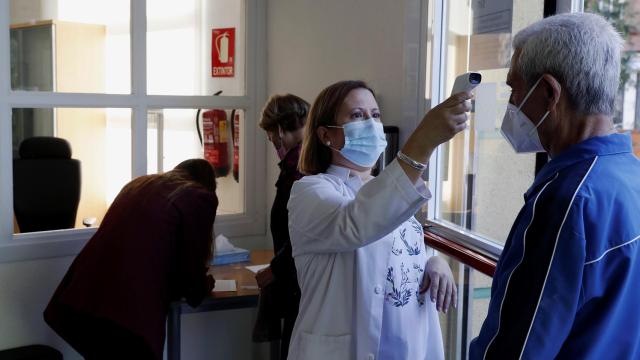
<point>370,288</point>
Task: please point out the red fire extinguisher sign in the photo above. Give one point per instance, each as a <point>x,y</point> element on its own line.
<point>223,48</point>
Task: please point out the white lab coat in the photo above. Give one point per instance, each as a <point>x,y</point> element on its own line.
<point>332,219</point>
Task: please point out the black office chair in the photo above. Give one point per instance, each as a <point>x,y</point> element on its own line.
<point>31,352</point>
<point>46,185</point>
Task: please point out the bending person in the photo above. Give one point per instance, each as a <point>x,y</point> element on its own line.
<point>153,247</point>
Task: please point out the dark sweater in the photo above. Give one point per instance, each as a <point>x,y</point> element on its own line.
<point>152,248</point>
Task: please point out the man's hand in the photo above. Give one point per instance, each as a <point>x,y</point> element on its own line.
<point>264,277</point>
<point>439,280</point>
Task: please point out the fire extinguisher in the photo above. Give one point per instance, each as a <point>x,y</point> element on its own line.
<point>215,140</point>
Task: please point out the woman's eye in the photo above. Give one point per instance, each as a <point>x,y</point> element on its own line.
<point>376,115</point>
<point>356,115</point>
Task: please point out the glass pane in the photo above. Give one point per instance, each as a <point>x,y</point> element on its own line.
<point>462,324</point>
<point>71,46</point>
<point>450,323</point>
<point>50,184</point>
<point>480,296</point>
<point>483,179</point>
<point>175,135</point>
<point>429,49</point>
<point>196,47</point>
<point>624,16</point>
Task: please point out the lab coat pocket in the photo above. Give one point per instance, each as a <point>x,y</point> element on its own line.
<point>322,347</point>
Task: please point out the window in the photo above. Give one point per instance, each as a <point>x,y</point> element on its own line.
<point>478,180</point>
<point>180,42</point>
<point>172,137</point>
<point>71,46</point>
<point>623,15</point>
<point>122,82</point>
<point>104,156</point>
<point>462,324</point>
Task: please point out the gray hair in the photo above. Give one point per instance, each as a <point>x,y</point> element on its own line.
<point>581,50</point>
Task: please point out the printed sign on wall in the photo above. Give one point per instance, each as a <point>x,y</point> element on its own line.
<point>223,46</point>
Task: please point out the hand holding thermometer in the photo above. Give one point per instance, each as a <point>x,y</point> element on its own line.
<point>466,82</point>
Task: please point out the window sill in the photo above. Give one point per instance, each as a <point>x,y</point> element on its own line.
<point>69,242</point>
<point>461,253</point>
<point>467,239</point>
<point>42,245</point>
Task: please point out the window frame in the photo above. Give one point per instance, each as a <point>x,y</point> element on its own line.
<point>438,62</point>
<point>252,222</point>
<point>438,227</point>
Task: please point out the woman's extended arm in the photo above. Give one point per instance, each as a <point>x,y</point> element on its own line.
<point>439,125</point>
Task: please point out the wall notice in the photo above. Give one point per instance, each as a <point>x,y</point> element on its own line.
<point>490,17</point>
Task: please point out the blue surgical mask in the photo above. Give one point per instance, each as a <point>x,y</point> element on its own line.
<point>364,141</point>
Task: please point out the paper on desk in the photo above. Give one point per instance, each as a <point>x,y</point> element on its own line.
<point>255,268</point>
<point>225,285</point>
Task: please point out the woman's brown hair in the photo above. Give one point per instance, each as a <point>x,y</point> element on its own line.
<point>199,171</point>
<point>315,157</point>
<point>287,111</point>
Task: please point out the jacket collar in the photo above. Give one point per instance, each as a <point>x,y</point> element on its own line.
<point>339,171</point>
<point>587,149</point>
<point>290,161</point>
<point>348,176</point>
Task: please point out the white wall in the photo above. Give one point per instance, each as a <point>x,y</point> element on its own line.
<point>312,44</point>
<point>25,290</point>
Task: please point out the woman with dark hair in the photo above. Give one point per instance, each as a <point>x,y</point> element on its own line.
<point>283,119</point>
<point>363,267</point>
<point>153,247</point>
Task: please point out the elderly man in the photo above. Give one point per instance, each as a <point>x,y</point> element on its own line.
<point>568,282</point>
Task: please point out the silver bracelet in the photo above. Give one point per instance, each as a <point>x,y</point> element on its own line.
<point>409,161</point>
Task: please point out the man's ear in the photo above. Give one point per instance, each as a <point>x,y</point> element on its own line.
<point>323,134</point>
<point>553,90</point>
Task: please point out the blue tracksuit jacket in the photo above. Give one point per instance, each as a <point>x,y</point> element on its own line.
<point>567,284</point>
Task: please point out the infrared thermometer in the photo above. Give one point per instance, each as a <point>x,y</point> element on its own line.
<point>466,82</point>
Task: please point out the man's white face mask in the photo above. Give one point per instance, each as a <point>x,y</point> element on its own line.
<point>519,131</point>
